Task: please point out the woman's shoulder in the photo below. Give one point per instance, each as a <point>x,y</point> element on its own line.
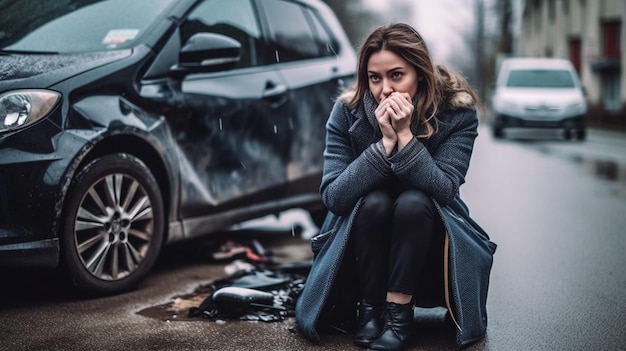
<point>347,95</point>
<point>343,105</point>
<point>340,108</point>
<point>459,110</point>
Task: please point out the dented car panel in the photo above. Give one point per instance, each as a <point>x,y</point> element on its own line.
<point>170,124</point>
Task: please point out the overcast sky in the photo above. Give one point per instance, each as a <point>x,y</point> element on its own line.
<point>444,24</point>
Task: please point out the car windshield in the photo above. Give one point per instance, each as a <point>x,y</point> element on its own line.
<point>540,78</point>
<point>70,26</point>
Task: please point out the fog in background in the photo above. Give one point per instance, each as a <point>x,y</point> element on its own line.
<point>452,29</point>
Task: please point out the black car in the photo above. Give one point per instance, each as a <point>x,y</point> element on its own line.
<point>127,125</point>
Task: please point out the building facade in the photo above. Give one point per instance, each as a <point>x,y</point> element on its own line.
<point>591,34</point>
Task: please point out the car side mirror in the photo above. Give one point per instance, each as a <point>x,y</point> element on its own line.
<point>207,52</point>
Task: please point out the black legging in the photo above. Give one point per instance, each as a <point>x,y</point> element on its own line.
<point>397,240</point>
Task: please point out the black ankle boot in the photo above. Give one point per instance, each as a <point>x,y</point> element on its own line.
<point>398,320</point>
<point>369,324</point>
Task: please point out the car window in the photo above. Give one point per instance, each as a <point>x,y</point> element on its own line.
<point>291,33</point>
<point>233,18</point>
<point>540,78</point>
<point>76,25</point>
<point>326,41</point>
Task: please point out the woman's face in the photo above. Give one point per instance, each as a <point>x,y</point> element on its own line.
<point>387,73</point>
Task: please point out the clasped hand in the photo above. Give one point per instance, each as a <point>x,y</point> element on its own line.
<point>394,118</point>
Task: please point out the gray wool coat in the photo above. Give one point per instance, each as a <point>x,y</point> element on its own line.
<point>355,163</point>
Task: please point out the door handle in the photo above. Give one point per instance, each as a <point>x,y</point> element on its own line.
<point>273,90</point>
<point>276,94</point>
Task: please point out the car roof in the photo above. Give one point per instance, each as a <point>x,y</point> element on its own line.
<point>539,62</point>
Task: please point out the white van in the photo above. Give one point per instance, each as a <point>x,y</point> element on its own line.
<point>539,93</point>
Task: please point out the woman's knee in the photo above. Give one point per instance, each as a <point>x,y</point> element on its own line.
<point>414,203</point>
<point>374,217</point>
<point>377,204</point>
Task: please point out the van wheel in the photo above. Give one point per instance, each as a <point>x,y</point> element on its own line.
<point>498,133</point>
<point>113,225</point>
<point>567,134</point>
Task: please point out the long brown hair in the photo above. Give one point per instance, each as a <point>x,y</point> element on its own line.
<point>406,42</point>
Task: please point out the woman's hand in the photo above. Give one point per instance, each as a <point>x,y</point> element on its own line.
<point>390,138</point>
<point>401,112</point>
<point>395,112</point>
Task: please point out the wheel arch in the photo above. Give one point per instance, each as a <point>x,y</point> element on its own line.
<point>146,152</point>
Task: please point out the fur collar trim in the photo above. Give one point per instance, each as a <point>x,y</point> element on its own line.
<point>455,90</point>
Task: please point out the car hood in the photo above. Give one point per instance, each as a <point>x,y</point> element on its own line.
<point>43,70</point>
<point>540,96</point>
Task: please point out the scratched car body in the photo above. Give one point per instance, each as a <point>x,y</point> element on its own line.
<point>125,126</point>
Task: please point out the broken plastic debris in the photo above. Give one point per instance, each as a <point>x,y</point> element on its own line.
<point>236,300</point>
<point>231,251</point>
<point>260,295</point>
<point>238,266</point>
<point>262,279</point>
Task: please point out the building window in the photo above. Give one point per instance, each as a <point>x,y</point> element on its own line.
<point>610,87</point>
<point>609,65</point>
<point>611,39</point>
<point>575,52</point>
<point>537,16</point>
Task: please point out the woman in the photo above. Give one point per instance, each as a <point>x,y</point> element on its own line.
<point>397,235</point>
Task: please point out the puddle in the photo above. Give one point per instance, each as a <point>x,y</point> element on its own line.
<point>262,294</point>
<point>607,170</point>
<point>257,286</point>
<point>612,172</point>
<point>177,309</point>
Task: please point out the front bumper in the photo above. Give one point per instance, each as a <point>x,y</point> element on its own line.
<point>33,179</point>
<point>505,121</point>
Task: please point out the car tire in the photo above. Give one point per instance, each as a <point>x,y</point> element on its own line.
<point>113,224</point>
<point>498,132</point>
<point>567,134</point>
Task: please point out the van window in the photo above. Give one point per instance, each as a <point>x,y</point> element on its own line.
<point>290,31</point>
<point>540,78</point>
<point>233,18</point>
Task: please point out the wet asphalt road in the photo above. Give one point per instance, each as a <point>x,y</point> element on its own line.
<point>556,209</point>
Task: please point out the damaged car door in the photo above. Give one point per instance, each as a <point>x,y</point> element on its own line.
<point>234,130</point>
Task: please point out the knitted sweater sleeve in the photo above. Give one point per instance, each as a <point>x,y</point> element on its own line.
<point>348,177</point>
<point>440,171</point>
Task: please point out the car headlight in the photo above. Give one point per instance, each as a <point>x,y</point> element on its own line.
<point>577,108</point>
<point>20,108</point>
<point>505,106</point>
